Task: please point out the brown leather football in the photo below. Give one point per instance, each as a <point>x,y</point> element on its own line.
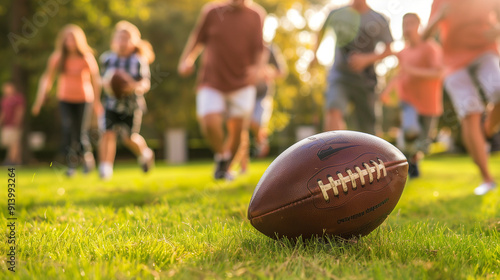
<point>118,83</point>
<point>338,184</point>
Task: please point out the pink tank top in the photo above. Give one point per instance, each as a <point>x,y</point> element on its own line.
<point>74,83</point>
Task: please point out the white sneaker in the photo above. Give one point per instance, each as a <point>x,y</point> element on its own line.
<point>105,171</point>
<point>147,160</point>
<point>484,188</point>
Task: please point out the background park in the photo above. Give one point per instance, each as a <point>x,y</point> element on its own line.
<point>177,221</point>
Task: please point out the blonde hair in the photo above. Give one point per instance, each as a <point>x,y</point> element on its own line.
<point>142,47</point>
<point>82,47</point>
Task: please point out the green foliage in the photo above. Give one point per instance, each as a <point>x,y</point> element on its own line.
<point>177,222</point>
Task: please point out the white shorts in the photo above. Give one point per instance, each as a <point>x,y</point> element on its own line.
<point>237,103</point>
<point>10,136</point>
<point>462,85</point>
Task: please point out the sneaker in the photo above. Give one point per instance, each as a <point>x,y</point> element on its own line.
<point>484,188</point>
<point>221,169</point>
<point>147,160</point>
<point>413,170</point>
<point>105,171</point>
<point>70,172</point>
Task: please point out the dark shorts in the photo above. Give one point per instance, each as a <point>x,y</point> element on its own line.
<point>344,92</point>
<point>131,123</point>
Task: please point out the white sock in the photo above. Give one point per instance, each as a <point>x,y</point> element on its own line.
<point>106,168</point>
<point>222,156</point>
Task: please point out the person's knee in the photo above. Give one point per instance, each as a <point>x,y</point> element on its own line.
<point>135,137</point>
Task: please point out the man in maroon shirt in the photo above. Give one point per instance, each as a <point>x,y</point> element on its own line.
<point>12,111</point>
<point>230,36</point>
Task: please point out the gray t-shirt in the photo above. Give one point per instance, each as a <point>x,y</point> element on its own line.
<point>356,32</point>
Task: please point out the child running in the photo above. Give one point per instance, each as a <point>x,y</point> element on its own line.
<point>132,55</point>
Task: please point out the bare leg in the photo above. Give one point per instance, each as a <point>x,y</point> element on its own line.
<point>334,120</point>
<point>475,142</point>
<point>139,147</point>
<point>136,144</point>
<point>235,127</point>
<point>107,147</point>
<point>492,123</point>
<point>14,153</point>
<point>242,156</point>
<point>211,126</point>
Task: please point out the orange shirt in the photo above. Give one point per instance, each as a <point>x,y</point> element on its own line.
<point>74,83</point>
<point>425,94</point>
<point>462,30</point>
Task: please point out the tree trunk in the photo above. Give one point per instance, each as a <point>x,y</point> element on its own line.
<point>20,75</point>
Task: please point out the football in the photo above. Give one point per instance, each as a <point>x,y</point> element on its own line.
<point>117,82</point>
<point>340,184</point>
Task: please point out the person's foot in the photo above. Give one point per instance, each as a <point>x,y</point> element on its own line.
<point>147,160</point>
<point>88,162</point>
<point>485,188</point>
<point>70,172</point>
<point>262,150</point>
<point>413,170</point>
<point>221,168</point>
<point>105,171</point>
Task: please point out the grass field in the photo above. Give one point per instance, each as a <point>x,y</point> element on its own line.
<point>177,222</point>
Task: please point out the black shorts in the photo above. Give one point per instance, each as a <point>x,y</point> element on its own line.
<point>131,123</point>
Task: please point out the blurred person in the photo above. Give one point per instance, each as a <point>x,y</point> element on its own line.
<point>275,68</point>
<point>352,78</point>
<point>132,55</point>
<point>419,87</point>
<point>13,107</point>
<point>230,36</point>
<point>78,92</point>
<point>468,32</point>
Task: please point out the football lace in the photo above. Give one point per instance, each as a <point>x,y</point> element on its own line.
<point>378,168</point>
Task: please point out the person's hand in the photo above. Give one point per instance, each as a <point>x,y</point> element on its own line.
<point>35,110</point>
<point>98,108</point>
<point>185,68</point>
<point>385,98</point>
<point>252,74</point>
<point>313,63</point>
<point>358,62</point>
<point>493,33</point>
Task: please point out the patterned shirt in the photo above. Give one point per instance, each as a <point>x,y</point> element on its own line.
<point>135,66</point>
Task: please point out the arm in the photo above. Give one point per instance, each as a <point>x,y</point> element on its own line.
<point>422,72</point>
<point>438,13</point>
<point>385,94</point>
<point>143,85</point>
<point>96,83</point>
<point>191,52</point>
<point>359,61</point>
<point>193,47</point>
<point>494,33</point>
<point>319,39</point>
<point>46,82</point>
<point>282,66</point>
<point>261,53</point>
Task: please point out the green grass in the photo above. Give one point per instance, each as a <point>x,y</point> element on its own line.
<point>177,222</point>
